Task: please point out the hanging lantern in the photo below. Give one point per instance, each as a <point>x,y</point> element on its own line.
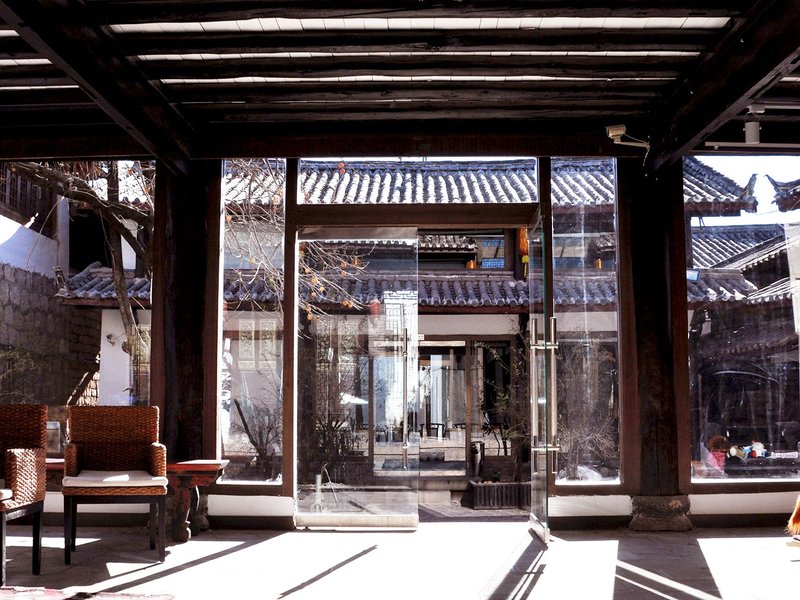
<point>522,241</point>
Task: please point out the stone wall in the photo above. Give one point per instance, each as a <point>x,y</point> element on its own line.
<point>48,351</point>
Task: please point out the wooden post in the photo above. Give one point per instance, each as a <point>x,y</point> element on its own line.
<point>185,302</point>
<point>651,207</point>
<point>290,330</point>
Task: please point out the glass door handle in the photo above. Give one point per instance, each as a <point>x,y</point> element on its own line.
<point>552,346</point>
<point>549,345</point>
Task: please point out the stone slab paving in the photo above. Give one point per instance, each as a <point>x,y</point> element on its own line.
<point>453,558</point>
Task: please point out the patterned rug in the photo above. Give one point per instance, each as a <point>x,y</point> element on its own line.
<point>25,593</point>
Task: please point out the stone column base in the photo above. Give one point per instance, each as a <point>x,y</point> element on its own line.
<point>660,513</point>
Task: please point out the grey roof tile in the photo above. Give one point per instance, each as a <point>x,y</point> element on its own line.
<point>714,246</point>
<point>787,194</point>
<point>95,283</point>
<point>702,184</point>
<point>499,289</point>
<point>584,183</point>
<point>719,286</point>
<point>774,292</point>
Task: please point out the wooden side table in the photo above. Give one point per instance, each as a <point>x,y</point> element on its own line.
<point>184,479</point>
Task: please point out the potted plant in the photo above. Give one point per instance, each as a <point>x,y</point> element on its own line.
<point>504,482</point>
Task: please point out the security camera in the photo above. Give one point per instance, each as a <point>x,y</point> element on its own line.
<point>615,132</point>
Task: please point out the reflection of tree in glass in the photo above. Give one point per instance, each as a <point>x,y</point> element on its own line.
<point>506,402</point>
<point>587,424</point>
<point>121,194</point>
<point>255,217</point>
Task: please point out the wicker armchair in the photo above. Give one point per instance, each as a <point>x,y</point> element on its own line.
<point>113,456</point>
<point>23,435</point>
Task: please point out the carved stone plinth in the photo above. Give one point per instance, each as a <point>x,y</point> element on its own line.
<point>660,513</point>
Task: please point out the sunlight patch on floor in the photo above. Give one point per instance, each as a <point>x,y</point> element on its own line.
<point>645,577</point>
<point>733,562</point>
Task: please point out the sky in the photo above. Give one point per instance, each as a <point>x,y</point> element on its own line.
<point>740,168</point>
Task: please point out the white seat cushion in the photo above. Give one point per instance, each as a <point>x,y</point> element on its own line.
<point>89,478</point>
<point>5,493</point>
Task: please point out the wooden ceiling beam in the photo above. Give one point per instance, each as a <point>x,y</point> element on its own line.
<point>67,35</point>
<point>332,139</point>
<point>420,66</point>
<point>182,11</point>
<point>398,113</point>
<point>487,40</point>
<point>387,90</point>
<point>14,47</point>
<point>32,72</point>
<point>424,138</point>
<point>44,98</point>
<point>36,117</point>
<point>750,59</point>
<point>61,142</point>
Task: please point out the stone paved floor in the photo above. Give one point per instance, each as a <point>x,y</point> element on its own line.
<point>453,554</point>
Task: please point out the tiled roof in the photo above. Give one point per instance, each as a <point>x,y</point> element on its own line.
<point>717,245</point>
<point>787,194</point>
<point>719,286</point>
<point>435,182</point>
<point>585,183</point>
<point>703,185</point>
<point>469,289</point>
<point>749,338</point>
<point>447,243</point>
<point>96,284</point>
<point>764,252</point>
<point>774,292</point>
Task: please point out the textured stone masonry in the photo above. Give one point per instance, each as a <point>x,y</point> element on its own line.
<point>64,341</point>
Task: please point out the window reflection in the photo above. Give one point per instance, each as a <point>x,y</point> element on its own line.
<point>250,403</point>
<point>585,305</point>
<point>743,345</point>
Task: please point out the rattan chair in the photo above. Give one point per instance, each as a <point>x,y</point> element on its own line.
<point>113,456</point>
<point>23,442</point>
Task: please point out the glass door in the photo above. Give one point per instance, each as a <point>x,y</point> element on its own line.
<point>357,441</point>
<point>441,420</point>
<point>542,355</point>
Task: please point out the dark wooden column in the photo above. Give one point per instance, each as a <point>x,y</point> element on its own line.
<point>186,292</point>
<point>652,241</point>
<point>290,331</point>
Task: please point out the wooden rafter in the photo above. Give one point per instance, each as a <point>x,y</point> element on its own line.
<point>178,91</point>
<point>751,58</point>
<point>66,35</point>
<point>134,11</point>
<point>414,90</point>
<point>420,66</point>
<point>487,40</point>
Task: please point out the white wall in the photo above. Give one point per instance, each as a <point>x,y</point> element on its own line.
<point>459,325</point>
<point>128,255</point>
<point>114,361</point>
<point>25,249</point>
<point>559,506</point>
<point>586,321</point>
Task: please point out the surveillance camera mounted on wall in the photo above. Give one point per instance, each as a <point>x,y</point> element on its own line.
<point>617,132</point>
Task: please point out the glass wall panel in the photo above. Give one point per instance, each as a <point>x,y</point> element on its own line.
<point>743,324</point>
<point>251,363</point>
<point>441,419</point>
<point>358,410</point>
<point>585,305</point>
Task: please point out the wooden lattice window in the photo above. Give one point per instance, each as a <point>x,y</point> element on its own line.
<point>25,202</point>
<point>140,367</point>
